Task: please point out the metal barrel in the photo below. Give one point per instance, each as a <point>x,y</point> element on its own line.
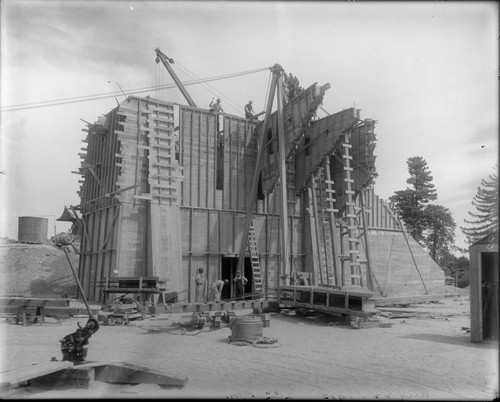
<point>32,229</point>
<point>246,328</point>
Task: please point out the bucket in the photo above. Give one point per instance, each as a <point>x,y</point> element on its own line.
<point>246,328</point>
<point>32,229</point>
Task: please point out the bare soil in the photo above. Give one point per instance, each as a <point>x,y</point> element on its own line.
<point>425,355</point>
<point>34,270</point>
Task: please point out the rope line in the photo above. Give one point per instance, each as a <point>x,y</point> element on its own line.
<point>85,98</point>
<point>232,103</point>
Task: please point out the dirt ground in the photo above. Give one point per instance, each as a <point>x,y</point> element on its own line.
<point>427,356</point>
<point>33,270</point>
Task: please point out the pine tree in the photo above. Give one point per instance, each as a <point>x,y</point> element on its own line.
<point>292,87</point>
<point>485,218</point>
<point>440,231</point>
<point>409,204</point>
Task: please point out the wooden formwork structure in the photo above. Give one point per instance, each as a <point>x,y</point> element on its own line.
<point>164,190</point>
<point>157,201</point>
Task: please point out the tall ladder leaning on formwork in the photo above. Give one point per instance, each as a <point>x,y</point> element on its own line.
<point>353,241</point>
<point>330,211</point>
<point>322,208</point>
<point>254,258</point>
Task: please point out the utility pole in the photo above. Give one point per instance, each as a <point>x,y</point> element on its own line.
<point>283,184</point>
<point>276,70</point>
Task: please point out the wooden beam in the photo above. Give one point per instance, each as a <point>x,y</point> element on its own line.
<point>10,379</point>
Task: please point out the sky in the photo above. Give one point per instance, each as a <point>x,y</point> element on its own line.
<point>427,72</point>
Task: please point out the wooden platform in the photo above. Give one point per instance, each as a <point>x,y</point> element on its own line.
<point>260,305</point>
<point>10,379</point>
<point>345,301</point>
<point>19,307</point>
<point>392,301</point>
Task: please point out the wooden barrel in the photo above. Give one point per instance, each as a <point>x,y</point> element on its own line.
<point>32,229</point>
<point>246,328</point>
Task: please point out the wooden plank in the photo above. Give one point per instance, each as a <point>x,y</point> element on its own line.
<point>391,301</point>
<point>126,373</point>
<point>33,301</point>
<point>13,377</point>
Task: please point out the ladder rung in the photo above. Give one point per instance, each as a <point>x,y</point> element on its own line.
<point>349,169</point>
<point>331,210</point>
<point>353,239</point>
<point>349,192</point>
<point>346,145</point>
<point>329,182</point>
<point>349,180</point>
<point>347,157</point>
<point>353,251</point>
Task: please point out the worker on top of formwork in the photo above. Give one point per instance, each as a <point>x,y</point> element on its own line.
<point>216,107</point>
<point>249,110</point>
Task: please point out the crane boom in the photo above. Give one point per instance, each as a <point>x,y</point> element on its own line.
<point>166,62</point>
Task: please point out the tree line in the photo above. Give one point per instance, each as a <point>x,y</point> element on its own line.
<point>433,226</point>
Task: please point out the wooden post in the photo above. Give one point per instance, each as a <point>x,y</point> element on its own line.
<point>283,186</point>
<point>276,69</point>
<point>412,257</point>
<point>316,227</point>
<point>314,242</point>
<point>367,248</point>
<point>333,226</point>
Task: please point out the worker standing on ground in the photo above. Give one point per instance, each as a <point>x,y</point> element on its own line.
<point>216,107</point>
<point>240,281</point>
<point>249,110</point>
<point>200,285</point>
<point>216,289</point>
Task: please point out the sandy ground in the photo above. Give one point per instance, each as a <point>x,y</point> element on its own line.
<point>36,269</point>
<point>430,357</point>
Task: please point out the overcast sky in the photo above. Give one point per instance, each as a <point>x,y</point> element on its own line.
<point>426,71</point>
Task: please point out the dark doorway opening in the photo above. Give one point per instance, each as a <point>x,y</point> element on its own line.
<point>489,288</point>
<point>228,271</point>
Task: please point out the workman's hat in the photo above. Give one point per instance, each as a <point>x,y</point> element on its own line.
<point>218,99</point>
<point>249,101</point>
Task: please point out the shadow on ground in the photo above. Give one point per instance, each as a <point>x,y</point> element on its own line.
<point>463,340</point>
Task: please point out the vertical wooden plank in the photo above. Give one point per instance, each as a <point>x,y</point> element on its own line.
<point>190,267</point>
<point>476,313</point>
<point>191,169</point>
<point>209,155</point>
<point>115,240</point>
<point>201,188</point>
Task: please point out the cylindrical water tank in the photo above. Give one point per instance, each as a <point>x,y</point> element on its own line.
<point>246,328</point>
<point>32,229</point>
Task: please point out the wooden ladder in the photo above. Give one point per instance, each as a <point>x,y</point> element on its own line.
<point>254,258</point>
<point>353,241</point>
<point>322,202</point>
<point>330,211</point>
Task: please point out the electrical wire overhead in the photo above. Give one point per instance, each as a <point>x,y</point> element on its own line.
<point>86,98</point>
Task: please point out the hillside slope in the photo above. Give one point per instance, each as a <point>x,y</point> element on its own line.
<point>34,270</point>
